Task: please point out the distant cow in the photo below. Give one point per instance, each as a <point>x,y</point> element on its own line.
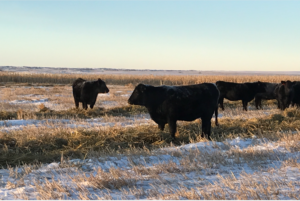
<point>296,94</point>
<point>236,91</point>
<point>285,93</point>
<point>86,92</point>
<point>167,104</point>
<point>269,94</point>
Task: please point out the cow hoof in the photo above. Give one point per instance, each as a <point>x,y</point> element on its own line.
<point>161,127</point>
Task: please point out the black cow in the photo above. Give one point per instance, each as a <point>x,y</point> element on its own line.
<point>167,104</point>
<point>284,94</point>
<point>87,91</point>
<point>236,91</point>
<point>296,94</point>
<point>276,91</point>
<point>268,95</point>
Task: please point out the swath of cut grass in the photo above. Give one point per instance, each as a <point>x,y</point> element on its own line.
<point>46,113</point>
<point>43,144</point>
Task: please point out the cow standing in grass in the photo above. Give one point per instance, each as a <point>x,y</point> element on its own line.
<point>287,93</point>
<point>168,104</point>
<point>269,94</point>
<point>86,92</point>
<point>236,91</point>
<point>296,95</point>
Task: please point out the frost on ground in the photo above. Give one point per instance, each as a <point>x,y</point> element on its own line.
<point>233,169</point>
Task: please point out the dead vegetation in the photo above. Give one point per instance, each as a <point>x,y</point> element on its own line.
<point>44,144</point>
<point>30,79</point>
<point>46,113</point>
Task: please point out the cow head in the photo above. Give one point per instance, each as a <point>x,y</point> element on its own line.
<point>290,84</point>
<point>285,93</point>
<point>283,82</point>
<point>101,86</point>
<point>139,95</point>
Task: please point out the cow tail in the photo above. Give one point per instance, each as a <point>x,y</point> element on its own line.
<point>216,116</point>
<point>217,107</point>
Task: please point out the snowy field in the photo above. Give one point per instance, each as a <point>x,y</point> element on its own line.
<point>137,120</point>
<point>252,167</point>
<point>234,169</point>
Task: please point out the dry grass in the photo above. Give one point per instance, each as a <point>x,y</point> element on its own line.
<point>46,113</point>
<point>44,144</point>
<point>6,77</point>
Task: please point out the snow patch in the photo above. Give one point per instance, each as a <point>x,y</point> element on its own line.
<point>34,101</point>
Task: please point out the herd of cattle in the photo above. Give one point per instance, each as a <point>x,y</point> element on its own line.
<point>168,104</point>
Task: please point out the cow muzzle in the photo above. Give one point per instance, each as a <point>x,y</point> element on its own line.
<point>129,102</point>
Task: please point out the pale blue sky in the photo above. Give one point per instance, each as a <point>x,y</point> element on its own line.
<point>199,35</point>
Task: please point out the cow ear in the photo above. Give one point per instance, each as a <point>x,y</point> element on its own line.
<point>143,88</point>
<point>99,81</point>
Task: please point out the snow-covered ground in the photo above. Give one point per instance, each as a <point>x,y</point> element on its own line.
<point>137,120</point>
<point>232,169</point>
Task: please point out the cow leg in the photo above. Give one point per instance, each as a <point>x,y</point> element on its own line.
<point>216,116</point>
<point>84,105</point>
<point>76,104</point>
<point>92,105</point>
<point>221,102</point>
<point>260,105</point>
<point>172,127</point>
<point>206,128</point>
<point>258,102</point>
<point>282,105</point>
<point>278,104</point>
<point>245,103</point>
<point>161,127</point>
